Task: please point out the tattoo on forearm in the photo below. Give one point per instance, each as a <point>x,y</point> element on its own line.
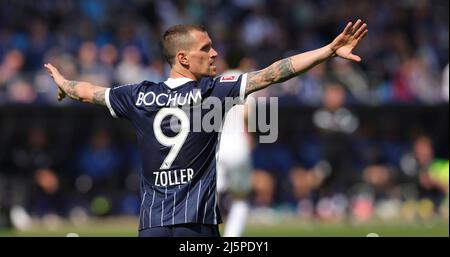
<point>286,70</point>
<point>99,97</point>
<point>278,72</point>
<point>253,82</point>
<point>69,89</point>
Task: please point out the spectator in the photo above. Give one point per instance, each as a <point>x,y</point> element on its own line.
<point>336,123</point>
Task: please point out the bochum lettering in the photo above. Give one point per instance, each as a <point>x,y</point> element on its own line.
<point>150,98</point>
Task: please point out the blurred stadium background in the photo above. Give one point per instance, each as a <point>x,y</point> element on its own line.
<point>362,147</point>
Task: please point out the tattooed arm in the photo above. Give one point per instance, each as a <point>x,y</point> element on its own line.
<point>77,90</point>
<point>288,68</point>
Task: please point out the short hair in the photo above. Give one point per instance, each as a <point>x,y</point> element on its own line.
<point>176,38</point>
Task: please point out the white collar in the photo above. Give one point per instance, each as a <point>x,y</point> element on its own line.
<point>173,83</point>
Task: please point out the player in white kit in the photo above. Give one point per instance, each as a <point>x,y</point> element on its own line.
<point>234,162</point>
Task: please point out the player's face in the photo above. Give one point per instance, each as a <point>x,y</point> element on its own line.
<point>202,56</point>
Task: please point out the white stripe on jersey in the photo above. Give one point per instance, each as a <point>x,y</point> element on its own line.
<point>206,206</point>
<point>143,198</point>
<point>198,197</point>
<point>187,198</point>
<point>243,87</point>
<point>108,103</point>
<point>151,207</point>
<point>143,212</point>
<point>215,202</point>
<point>173,211</point>
<point>162,208</point>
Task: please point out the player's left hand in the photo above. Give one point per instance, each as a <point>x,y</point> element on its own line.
<point>345,42</point>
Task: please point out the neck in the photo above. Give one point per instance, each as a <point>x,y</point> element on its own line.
<point>176,72</point>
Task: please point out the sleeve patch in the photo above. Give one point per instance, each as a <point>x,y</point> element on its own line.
<point>230,78</point>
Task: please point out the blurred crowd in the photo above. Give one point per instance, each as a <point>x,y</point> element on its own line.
<point>339,164</point>
<point>332,162</point>
<point>74,174</point>
<point>405,54</point>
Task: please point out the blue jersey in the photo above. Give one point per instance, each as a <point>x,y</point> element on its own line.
<point>178,155</point>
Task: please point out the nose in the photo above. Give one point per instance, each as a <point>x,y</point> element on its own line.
<point>213,53</point>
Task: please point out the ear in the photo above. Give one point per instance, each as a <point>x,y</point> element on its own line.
<point>182,58</point>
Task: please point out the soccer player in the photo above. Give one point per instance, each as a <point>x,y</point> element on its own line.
<point>178,178</point>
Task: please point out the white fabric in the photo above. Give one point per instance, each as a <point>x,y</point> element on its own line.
<point>108,103</point>
<point>234,153</point>
<point>174,83</point>
<point>236,219</point>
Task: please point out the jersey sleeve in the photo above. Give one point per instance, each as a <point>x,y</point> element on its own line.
<point>230,86</point>
<point>120,100</point>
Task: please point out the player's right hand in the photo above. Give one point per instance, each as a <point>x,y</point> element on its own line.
<point>58,78</point>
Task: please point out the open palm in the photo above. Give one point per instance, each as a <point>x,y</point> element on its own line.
<point>345,42</point>
<point>58,78</point>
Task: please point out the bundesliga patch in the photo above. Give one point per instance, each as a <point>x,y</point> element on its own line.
<point>230,78</point>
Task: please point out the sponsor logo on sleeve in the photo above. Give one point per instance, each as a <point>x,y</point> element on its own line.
<point>230,78</point>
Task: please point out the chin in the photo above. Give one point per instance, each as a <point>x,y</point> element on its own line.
<point>212,72</point>
<point>209,73</point>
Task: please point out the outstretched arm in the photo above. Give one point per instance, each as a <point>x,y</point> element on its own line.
<point>78,90</point>
<point>290,67</point>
